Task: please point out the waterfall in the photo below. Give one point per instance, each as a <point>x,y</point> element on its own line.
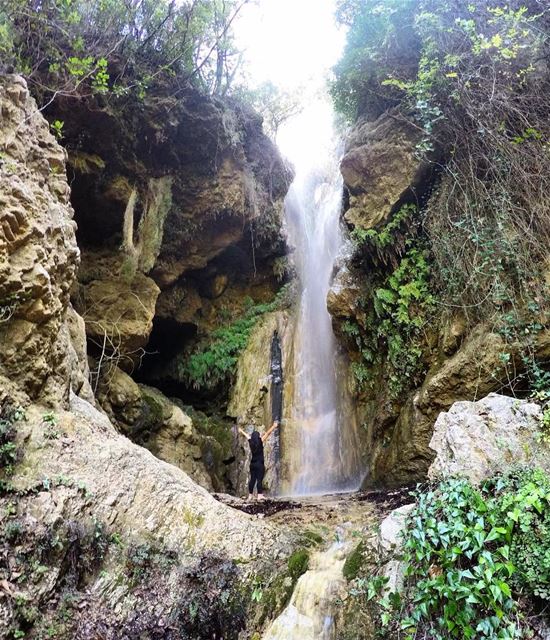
<point>322,449</point>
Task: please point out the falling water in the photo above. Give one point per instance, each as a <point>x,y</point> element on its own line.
<point>323,456</point>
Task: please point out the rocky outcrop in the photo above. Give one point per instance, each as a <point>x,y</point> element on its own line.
<point>179,204</point>
<point>118,310</point>
<point>390,546</point>
<point>380,169</point>
<point>200,446</point>
<point>99,537</point>
<point>38,251</point>
<point>403,454</point>
<point>408,371</point>
<point>480,439</point>
<point>132,538</point>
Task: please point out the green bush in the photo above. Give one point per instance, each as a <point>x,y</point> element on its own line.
<point>473,555</point>
<point>442,64</point>
<point>523,499</point>
<point>113,48</point>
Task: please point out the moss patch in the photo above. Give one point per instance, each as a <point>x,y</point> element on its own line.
<point>298,563</point>
<point>354,562</point>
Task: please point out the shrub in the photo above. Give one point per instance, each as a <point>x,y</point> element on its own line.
<point>75,47</point>
<point>472,556</point>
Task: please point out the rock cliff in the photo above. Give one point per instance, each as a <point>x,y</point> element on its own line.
<point>178,205</point>
<point>411,361</point>
<point>100,537</point>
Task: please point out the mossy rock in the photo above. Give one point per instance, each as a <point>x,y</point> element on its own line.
<point>276,597</point>
<point>280,588</point>
<point>212,426</point>
<point>354,562</point>
<point>156,411</point>
<point>298,563</point>
<point>311,538</point>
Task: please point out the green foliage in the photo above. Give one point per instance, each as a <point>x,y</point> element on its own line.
<point>397,312</point>
<point>76,47</point>
<point>472,555</point>
<point>142,559</point>
<point>523,498</point>
<point>468,76</point>
<point>520,327</point>
<point>384,237</point>
<point>274,104</point>
<point>543,398</point>
<point>213,363</point>
<point>380,37</point>
<point>57,129</point>
<point>457,548</point>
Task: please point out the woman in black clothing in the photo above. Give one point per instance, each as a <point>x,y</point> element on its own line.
<point>257,463</point>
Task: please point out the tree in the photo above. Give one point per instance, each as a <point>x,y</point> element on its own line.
<point>274,104</point>
<point>79,48</point>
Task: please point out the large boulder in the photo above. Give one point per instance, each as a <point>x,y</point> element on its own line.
<point>474,370</point>
<point>380,168</point>
<point>479,439</point>
<point>38,251</point>
<point>119,316</point>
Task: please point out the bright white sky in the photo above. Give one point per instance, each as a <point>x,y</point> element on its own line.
<point>294,43</point>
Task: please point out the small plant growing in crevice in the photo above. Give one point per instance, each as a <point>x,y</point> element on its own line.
<point>9,417</point>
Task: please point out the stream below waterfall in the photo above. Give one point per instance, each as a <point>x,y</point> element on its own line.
<point>312,608</point>
<point>314,611</point>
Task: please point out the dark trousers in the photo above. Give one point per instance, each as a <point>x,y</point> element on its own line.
<point>257,472</point>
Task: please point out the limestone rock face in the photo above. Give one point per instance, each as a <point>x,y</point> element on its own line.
<point>153,421</point>
<point>165,531</point>
<point>344,294</point>
<point>390,545</point>
<point>38,251</point>
<point>119,315</point>
<point>479,439</point>
<point>250,400</point>
<point>379,168</point>
<point>200,171</point>
<point>179,208</point>
<point>473,371</point>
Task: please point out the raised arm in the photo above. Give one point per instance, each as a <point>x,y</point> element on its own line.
<point>243,433</point>
<point>270,431</point>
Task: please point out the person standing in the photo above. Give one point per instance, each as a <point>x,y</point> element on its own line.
<point>257,462</point>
